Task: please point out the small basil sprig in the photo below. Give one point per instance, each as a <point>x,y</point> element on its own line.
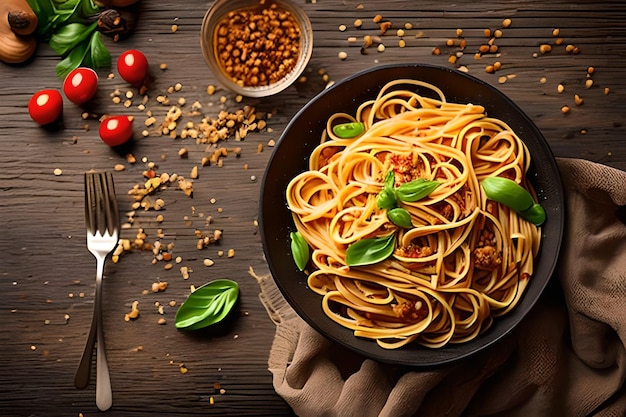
<point>514,196</point>
<point>69,27</point>
<point>370,251</point>
<point>389,197</point>
<point>207,305</point>
<point>299,250</point>
<point>349,130</point>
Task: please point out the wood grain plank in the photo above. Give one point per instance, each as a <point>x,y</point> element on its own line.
<point>46,273</point>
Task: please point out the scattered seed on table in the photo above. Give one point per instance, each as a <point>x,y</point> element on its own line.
<point>58,171</point>
<point>545,48</point>
<point>342,28</point>
<point>342,55</point>
<point>578,100</point>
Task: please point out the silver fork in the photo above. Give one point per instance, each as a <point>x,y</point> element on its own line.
<point>102,223</point>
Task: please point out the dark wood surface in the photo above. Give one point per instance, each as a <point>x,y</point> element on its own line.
<point>46,273</point>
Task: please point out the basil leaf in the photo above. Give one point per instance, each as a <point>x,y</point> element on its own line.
<point>535,214</point>
<point>390,180</point>
<point>299,250</point>
<point>72,60</point>
<point>72,11</point>
<point>69,36</point>
<point>507,192</point>
<point>46,17</point>
<point>370,251</point>
<point>349,130</point>
<point>400,217</point>
<point>100,56</point>
<point>207,305</point>
<point>386,199</point>
<point>416,189</point>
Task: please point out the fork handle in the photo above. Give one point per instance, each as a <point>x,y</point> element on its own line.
<point>104,394</point>
<point>81,379</point>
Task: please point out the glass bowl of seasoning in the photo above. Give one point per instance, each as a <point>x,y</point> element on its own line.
<point>256,48</point>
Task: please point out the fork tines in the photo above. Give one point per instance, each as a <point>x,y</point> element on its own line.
<point>101,211</point>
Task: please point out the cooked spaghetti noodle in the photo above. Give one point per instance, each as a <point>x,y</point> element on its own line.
<point>464,260</point>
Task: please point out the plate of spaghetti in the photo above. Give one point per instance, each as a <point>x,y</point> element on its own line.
<point>412,213</point>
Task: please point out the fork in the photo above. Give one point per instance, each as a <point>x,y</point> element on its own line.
<point>102,223</point>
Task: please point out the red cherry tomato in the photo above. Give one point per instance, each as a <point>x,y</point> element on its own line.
<point>80,85</point>
<point>45,106</point>
<point>132,66</point>
<point>116,130</point>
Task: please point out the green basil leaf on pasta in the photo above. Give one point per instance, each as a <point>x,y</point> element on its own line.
<point>207,305</point>
<point>535,214</point>
<point>299,250</point>
<point>390,180</point>
<point>349,130</point>
<point>386,199</point>
<point>507,192</point>
<point>400,217</point>
<point>370,251</point>
<point>416,190</point>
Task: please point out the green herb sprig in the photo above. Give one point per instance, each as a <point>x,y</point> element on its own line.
<point>390,196</point>
<point>69,28</point>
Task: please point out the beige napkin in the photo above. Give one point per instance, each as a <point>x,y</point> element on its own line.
<point>568,358</point>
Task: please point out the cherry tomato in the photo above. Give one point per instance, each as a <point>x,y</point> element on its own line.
<point>132,66</point>
<point>116,130</point>
<point>80,85</point>
<point>45,106</point>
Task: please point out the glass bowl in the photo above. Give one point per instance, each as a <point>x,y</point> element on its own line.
<point>252,65</point>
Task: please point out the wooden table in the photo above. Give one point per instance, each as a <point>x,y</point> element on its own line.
<point>46,273</point>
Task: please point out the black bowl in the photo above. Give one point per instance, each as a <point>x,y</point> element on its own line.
<point>290,157</point>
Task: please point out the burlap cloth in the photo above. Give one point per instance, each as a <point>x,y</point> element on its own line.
<point>567,358</point>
